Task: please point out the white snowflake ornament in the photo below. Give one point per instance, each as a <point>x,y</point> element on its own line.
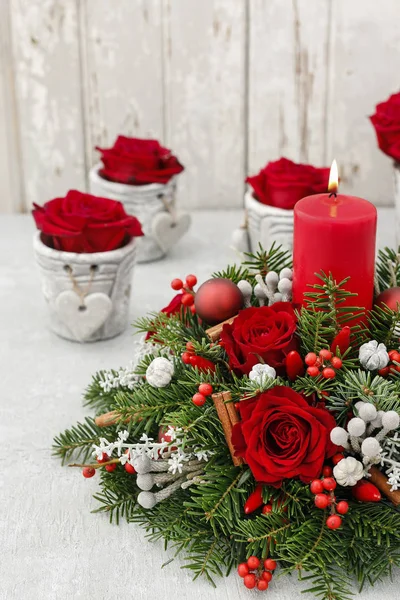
<point>348,471</point>
<point>261,373</point>
<point>373,356</point>
<point>159,372</point>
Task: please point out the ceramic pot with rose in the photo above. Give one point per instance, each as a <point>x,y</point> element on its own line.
<point>143,175</point>
<point>85,250</point>
<point>270,200</point>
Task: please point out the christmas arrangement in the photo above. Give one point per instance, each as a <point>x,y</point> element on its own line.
<point>142,174</point>
<point>257,428</point>
<point>85,249</point>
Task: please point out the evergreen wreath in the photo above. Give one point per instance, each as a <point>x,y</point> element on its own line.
<point>285,456</point>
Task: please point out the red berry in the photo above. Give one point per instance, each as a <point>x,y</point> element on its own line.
<point>177,284</point>
<point>237,405</point>
<point>384,372</point>
<point>262,585</point>
<point>191,281</point>
<point>88,472</point>
<point>336,362</point>
<point>186,356</point>
<point>310,359</point>
<point>336,458</point>
<point>190,346</point>
<point>193,309</point>
<point>199,399</point>
<point>103,458</point>
<point>243,570</point>
<point>334,522</point>
<point>325,354</point>
<point>313,371</point>
<point>325,394</point>
<point>327,471</point>
<point>250,581</point>
<point>253,563</point>
<point>329,484</point>
<point>206,389</point>
<point>328,373</point>
<point>130,468</point>
<point>342,507</point>
<point>187,299</point>
<point>321,500</point>
<point>266,509</point>
<point>111,468</point>
<point>266,575</point>
<point>270,564</point>
<point>316,486</point>
<point>394,356</point>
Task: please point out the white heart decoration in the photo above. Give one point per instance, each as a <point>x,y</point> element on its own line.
<point>82,323</point>
<point>168,231</point>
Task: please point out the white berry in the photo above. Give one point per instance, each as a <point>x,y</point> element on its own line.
<point>147,500</point>
<point>370,447</point>
<point>259,292</point>
<point>356,427</point>
<point>145,481</point>
<point>339,436</point>
<point>142,464</point>
<point>271,279</point>
<point>286,273</point>
<point>245,287</point>
<point>367,412</point>
<point>390,420</point>
<point>285,286</point>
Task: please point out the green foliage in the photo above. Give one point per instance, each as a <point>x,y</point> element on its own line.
<point>96,398</point>
<point>78,441</point>
<point>388,268</point>
<point>384,325</point>
<point>263,261</point>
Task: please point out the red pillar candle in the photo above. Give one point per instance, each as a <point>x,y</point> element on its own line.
<point>336,234</point>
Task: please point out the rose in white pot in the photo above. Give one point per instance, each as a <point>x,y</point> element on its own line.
<point>85,250</point>
<point>270,200</point>
<point>142,174</point>
<point>386,121</point>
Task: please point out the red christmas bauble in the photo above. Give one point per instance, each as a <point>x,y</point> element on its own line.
<point>217,300</point>
<point>389,297</point>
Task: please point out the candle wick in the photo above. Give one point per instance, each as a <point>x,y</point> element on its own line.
<point>333,194</point>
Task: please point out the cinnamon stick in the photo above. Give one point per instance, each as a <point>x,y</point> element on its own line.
<point>230,407</point>
<point>214,333</point>
<point>223,415</point>
<point>381,481</point>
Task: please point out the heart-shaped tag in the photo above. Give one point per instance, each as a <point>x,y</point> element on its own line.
<point>83,321</point>
<point>168,231</point>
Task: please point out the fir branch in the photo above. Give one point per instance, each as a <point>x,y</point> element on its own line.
<point>95,397</point>
<point>78,440</point>
<point>263,261</point>
<point>388,268</point>
<point>384,326</point>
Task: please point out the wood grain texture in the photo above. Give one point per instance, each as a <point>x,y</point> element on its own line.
<point>204,53</point>
<point>122,70</point>
<point>47,71</point>
<point>365,71</point>
<point>11,175</point>
<point>288,65</point>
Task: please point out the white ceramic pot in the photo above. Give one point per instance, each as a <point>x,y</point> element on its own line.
<point>153,205</point>
<point>396,173</point>
<point>87,294</point>
<point>268,224</point>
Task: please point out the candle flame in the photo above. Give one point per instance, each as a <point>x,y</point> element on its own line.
<point>333,179</point>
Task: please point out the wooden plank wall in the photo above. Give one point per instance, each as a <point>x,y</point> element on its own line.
<point>228,85</point>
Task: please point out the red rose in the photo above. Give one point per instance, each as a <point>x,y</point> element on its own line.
<point>84,223</point>
<point>280,436</point>
<point>386,121</point>
<point>283,183</point>
<point>138,162</point>
<point>260,334</point>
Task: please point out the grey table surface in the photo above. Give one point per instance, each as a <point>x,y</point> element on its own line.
<point>51,546</point>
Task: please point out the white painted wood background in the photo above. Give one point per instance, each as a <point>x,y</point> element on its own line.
<point>227,84</point>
